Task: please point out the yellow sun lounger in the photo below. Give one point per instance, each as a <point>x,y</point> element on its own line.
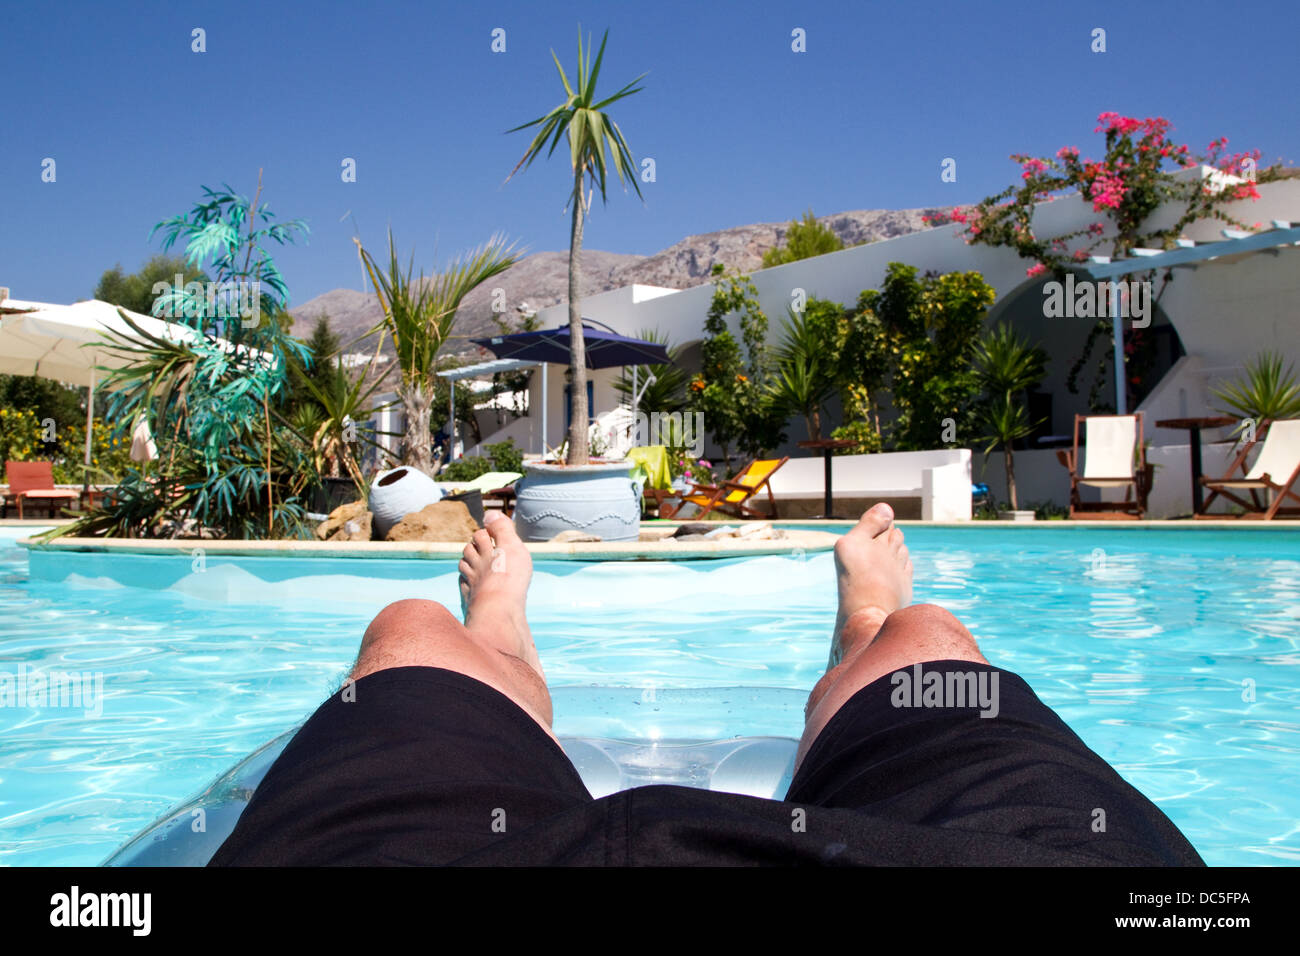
<point>731,496</point>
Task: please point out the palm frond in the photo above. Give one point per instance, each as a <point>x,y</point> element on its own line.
<point>1266,392</point>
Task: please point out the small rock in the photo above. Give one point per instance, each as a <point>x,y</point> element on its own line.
<point>693,528</point>
<point>355,529</point>
<point>573,536</point>
<point>440,521</point>
<point>339,517</point>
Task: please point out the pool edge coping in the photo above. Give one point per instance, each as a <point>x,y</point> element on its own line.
<point>799,540</point>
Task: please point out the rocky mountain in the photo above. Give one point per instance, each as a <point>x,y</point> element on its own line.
<point>541,279</point>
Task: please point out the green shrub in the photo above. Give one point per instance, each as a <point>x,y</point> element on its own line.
<point>20,435</point>
<point>506,456</point>
<point>503,456</point>
<point>466,469</point>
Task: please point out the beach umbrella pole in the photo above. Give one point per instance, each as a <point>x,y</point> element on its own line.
<point>90,420</point>
<point>543,409</point>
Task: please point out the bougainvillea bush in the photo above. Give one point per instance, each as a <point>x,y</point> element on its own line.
<point>1136,176</point>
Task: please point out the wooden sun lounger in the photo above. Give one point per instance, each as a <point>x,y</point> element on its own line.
<point>1113,458</point>
<point>1279,458</point>
<point>731,496</point>
<point>34,481</point>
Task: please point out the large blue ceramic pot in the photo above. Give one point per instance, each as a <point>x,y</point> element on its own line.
<point>599,499</point>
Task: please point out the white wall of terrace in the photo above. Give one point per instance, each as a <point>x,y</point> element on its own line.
<point>1224,311</point>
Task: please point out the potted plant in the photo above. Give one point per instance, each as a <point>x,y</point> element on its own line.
<point>1007,366</point>
<point>1265,392</point>
<point>329,423</point>
<point>593,496</point>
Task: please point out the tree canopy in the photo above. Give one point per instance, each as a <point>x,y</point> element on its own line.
<point>803,240</point>
<point>134,291</point>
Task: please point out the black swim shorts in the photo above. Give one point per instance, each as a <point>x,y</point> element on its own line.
<point>427,766</point>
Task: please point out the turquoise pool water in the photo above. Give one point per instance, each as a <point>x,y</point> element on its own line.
<point>1149,643</point>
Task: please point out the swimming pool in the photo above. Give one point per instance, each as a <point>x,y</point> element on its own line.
<point>1148,642</point>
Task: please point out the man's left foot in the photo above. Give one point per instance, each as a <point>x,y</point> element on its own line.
<point>494,575</point>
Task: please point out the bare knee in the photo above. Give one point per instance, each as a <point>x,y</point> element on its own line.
<point>929,617</point>
<point>929,629</point>
<point>412,614</point>
<point>404,629</point>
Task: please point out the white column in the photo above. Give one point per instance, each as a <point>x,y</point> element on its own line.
<point>1121,388</point>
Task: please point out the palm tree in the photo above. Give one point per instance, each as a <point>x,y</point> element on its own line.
<point>589,132</point>
<point>805,378</point>
<point>330,423</point>
<point>1008,366</point>
<point>667,392</point>
<point>419,314</point>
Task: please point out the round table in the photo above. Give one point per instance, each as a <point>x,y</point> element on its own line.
<point>828,446</point>
<point>1194,426</point>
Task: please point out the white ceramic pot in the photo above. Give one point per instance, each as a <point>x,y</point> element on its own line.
<point>398,492</point>
<point>600,499</point>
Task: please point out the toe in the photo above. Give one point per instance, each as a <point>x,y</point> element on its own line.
<point>877,519</point>
<point>482,543</point>
<point>502,530</point>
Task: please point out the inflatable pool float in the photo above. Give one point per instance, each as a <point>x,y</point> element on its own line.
<point>190,833</point>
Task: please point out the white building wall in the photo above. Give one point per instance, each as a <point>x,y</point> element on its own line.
<point>1224,312</point>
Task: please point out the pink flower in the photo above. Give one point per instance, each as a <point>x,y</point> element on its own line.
<point>1035,270</point>
<point>1032,167</point>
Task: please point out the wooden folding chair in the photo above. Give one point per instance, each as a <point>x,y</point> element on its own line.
<point>1279,457</point>
<point>1113,458</point>
<point>731,496</point>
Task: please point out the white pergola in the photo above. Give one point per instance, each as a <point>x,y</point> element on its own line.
<point>486,370</point>
<point>1187,255</point>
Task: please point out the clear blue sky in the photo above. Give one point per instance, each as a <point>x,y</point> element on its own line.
<point>741,128</point>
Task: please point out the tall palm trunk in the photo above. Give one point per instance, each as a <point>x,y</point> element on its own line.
<point>814,423</point>
<point>1011,476</point>
<point>416,406</point>
<point>578,451</point>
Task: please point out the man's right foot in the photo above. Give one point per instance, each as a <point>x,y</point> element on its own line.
<point>874,576</point>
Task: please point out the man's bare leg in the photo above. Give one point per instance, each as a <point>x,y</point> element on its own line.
<point>494,645</point>
<point>877,628</point>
